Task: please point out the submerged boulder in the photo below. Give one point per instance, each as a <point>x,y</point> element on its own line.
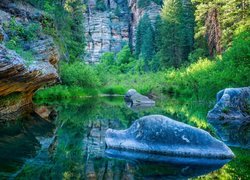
<point>232,103</point>
<point>158,134</point>
<point>136,99</point>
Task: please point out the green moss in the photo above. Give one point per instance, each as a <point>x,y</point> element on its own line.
<point>10,99</point>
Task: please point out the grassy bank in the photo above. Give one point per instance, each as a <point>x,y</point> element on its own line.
<point>200,80</point>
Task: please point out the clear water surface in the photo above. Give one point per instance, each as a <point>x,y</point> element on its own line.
<point>65,140</point>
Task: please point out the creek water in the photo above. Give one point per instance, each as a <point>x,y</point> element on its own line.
<point>65,140</point>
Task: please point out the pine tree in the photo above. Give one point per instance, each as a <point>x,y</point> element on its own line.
<point>213,32</point>
<point>177,32</point>
<point>148,47</point>
<point>172,33</point>
<point>145,41</point>
<point>232,16</point>
<point>189,24</point>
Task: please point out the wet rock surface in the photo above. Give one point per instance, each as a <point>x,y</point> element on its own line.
<point>133,99</point>
<point>232,103</point>
<point>161,135</point>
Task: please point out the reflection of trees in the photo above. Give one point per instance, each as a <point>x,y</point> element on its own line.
<point>78,149</point>
<point>21,140</point>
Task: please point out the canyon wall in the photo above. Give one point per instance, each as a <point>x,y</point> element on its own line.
<point>109,27</point>
<point>19,79</point>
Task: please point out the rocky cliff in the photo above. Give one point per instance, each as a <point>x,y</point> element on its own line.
<point>20,78</point>
<point>111,25</point>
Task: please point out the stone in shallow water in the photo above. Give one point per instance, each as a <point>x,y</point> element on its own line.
<point>158,134</point>
<point>232,103</point>
<point>136,99</point>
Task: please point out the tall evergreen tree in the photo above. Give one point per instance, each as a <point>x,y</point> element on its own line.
<point>177,32</point>
<point>172,33</point>
<point>145,41</point>
<point>148,46</point>
<point>232,16</point>
<point>189,24</point>
<point>213,32</point>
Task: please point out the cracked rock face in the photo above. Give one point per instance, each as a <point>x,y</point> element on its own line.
<point>157,134</point>
<point>232,103</point>
<point>110,29</point>
<point>19,79</point>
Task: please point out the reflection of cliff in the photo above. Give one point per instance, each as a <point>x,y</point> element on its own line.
<point>110,27</point>
<point>22,140</point>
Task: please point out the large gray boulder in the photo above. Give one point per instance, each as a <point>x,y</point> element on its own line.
<point>232,103</point>
<point>158,134</point>
<point>136,99</point>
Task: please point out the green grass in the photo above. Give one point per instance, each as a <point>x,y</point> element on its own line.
<point>10,99</point>
<point>63,92</point>
<point>113,90</point>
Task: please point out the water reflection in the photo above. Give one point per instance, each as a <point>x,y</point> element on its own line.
<point>72,146</point>
<point>234,132</point>
<point>21,140</point>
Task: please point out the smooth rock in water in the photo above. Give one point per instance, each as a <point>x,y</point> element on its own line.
<point>136,99</point>
<point>232,103</point>
<point>158,134</point>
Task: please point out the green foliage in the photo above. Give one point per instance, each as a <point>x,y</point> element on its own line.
<point>64,92</point>
<point>118,11</point>
<point>145,83</point>
<point>100,5</point>
<point>113,90</point>
<point>143,3</point>
<point>64,21</point>
<point>108,58</point>
<point>177,31</point>
<point>26,55</point>
<point>146,3</point>
<point>196,55</point>
<point>203,79</point>
<point>19,35</point>
<point>27,32</point>
<point>125,60</point>
<point>233,16</point>
<point>145,43</point>
<point>78,74</point>
<point>10,99</point>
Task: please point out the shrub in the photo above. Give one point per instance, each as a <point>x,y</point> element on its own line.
<point>79,74</point>
<point>203,79</point>
<point>113,90</point>
<point>64,92</point>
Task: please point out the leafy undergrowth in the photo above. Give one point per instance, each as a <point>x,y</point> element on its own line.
<point>64,92</point>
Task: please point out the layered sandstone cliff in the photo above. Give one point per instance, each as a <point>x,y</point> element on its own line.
<point>109,29</point>
<point>19,79</point>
